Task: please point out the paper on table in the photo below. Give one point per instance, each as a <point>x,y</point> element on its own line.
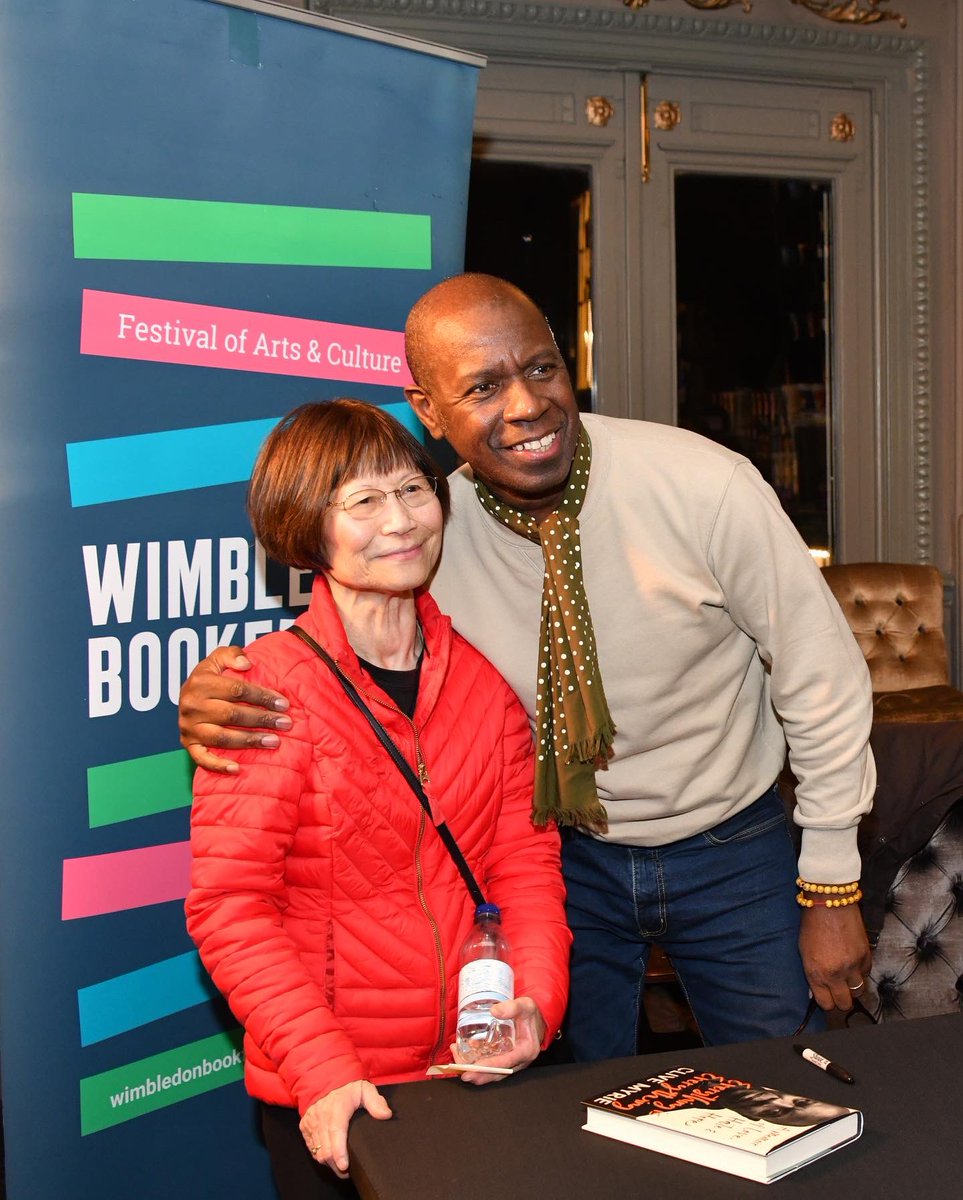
<point>457,1068</point>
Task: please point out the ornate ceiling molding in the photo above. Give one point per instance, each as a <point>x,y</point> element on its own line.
<point>847,12</point>
<point>616,22</point>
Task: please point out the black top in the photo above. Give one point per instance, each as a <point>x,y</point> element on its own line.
<point>401,686</point>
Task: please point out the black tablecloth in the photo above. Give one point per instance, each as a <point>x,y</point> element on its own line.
<point>521,1138</point>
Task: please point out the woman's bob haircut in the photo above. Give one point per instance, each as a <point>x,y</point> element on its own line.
<point>306,458</point>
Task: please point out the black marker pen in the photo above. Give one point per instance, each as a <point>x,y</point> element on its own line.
<point>824,1064</point>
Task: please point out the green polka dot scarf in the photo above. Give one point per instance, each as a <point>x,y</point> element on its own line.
<point>573,726</point>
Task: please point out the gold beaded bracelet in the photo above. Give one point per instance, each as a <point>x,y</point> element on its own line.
<point>827,889</point>
<point>805,901</point>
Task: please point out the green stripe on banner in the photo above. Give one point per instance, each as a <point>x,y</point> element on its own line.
<point>138,787</point>
<point>157,230</point>
<point>161,1080</point>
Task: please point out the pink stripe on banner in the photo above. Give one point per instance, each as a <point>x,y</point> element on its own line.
<point>106,883</point>
<point>200,335</point>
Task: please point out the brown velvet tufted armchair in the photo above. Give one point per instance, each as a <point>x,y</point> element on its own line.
<point>912,842</point>
<point>895,611</point>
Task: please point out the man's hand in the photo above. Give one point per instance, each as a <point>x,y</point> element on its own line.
<point>835,954</point>
<point>529,1032</point>
<point>324,1126</point>
<point>216,709</point>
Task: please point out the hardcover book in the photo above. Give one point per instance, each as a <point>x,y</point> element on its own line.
<point>724,1123</point>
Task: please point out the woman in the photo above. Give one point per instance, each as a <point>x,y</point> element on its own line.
<point>326,909</point>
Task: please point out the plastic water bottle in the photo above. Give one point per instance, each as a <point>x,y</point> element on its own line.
<point>485,978</point>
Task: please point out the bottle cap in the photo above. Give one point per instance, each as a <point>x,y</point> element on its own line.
<point>488,910</point>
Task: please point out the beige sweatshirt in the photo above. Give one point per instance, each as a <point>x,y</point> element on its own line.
<point>718,641</point>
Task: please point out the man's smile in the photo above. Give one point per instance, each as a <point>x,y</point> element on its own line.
<point>537,444</point>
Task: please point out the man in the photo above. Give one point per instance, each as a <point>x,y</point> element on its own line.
<point>668,633</point>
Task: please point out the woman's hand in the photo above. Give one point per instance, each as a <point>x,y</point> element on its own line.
<point>324,1126</point>
<point>529,1032</point>
<point>213,705</point>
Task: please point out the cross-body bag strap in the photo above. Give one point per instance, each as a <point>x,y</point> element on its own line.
<point>400,762</point>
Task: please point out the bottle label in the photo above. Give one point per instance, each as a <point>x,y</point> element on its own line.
<point>486,979</point>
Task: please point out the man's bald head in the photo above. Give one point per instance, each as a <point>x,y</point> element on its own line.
<point>451,299</point>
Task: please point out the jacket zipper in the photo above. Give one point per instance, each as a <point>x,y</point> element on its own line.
<point>443,981</point>
<point>420,877</point>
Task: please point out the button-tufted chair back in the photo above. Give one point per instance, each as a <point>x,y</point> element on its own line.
<point>918,959</point>
<point>895,611</point>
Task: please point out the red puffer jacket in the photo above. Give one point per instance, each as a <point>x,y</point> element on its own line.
<point>326,908</point>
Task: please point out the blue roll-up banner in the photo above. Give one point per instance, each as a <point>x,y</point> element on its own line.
<point>210,212</point>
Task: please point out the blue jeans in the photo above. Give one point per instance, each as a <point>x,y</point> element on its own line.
<point>722,905</point>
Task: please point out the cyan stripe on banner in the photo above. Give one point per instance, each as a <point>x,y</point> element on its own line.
<point>174,460</point>
<point>139,997</point>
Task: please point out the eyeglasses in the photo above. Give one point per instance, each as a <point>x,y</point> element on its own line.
<point>368,503</point>
<point>859,1014</point>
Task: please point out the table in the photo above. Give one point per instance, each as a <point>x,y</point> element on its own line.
<point>521,1138</point>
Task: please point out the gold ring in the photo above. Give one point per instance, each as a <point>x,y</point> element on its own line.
<point>313,1149</point>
